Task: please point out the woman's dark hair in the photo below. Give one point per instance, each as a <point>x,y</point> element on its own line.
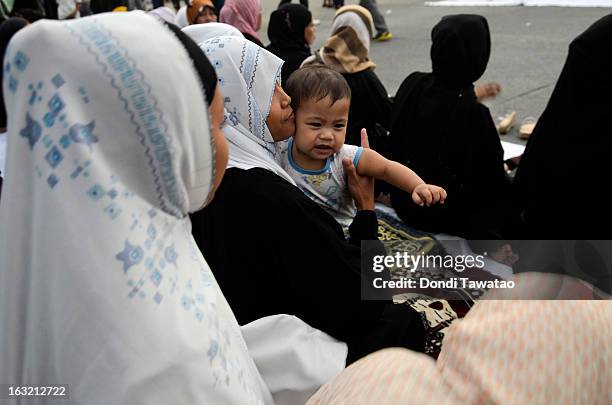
<point>316,82</point>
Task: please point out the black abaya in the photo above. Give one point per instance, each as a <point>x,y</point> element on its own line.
<point>441,132</point>
<point>273,251</point>
<point>559,186</point>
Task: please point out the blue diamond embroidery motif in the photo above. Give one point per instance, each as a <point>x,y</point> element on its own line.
<point>170,254</point>
<point>186,302</point>
<point>54,156</point>
<point>131,255</point>
<point>156,278</point>
<point>95,192</point>
<point>47,141</point>
<point>112,211</point>
<point>213,350</point>
<point>158,298</point>
<point>199,315</point>
<point>21,61</point>
<point>32,131</point>
<point>49,120</point>
<point>13,83</point>
<point>76,172</point>
<point>52,180</point>
<point>151,231</point>
<point>58,81</point>
<point>64,141</point>
<point>56,104</point>
<point>112,193</point>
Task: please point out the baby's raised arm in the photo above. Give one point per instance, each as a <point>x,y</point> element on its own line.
<point>375,165</point>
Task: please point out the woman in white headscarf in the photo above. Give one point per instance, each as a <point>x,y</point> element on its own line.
<point>272,249</point>
<point>101,284</point>
<point>180,19</point>
<point>203,32</point>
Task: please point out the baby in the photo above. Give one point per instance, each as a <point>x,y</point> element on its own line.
<point>321,99</point>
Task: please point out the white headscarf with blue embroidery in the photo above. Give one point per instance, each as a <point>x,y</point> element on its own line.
<point>247,75</point>
<point>203,32</point>
<point>101,284</point>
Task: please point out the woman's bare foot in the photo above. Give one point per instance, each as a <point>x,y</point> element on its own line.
<point>487,90</point>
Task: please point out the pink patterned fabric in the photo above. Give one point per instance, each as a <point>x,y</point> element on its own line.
<point>502,352</point>
<point>242,14</point>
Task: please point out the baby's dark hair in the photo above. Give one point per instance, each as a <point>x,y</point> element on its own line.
<point>315,82</point>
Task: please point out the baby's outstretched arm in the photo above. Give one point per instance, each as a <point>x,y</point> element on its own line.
<point>375,165</point>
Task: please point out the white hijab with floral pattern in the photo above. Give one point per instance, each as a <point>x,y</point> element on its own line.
<point>101,284</point>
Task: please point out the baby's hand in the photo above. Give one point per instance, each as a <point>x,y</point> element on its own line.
<point>427,194</point>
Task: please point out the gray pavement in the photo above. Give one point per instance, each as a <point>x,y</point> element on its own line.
<point>529,46</point>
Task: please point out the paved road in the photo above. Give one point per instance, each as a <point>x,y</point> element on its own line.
<point>529,46</point>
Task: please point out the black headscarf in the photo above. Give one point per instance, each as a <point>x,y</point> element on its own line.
<point>561,182</point>
<point>205,70</point>
<point>439,130</point>
<point>7,29</point>
<point>286,33</point>
<point>460,50</point>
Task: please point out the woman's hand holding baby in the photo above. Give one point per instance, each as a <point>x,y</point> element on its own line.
<point>427,194</point>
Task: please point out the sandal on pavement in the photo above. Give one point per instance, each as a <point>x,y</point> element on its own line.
<point>527,127</point>
<point>507,123</point>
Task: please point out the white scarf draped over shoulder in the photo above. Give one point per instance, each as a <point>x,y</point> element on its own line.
<point>101,284</point>
<point>248,75</point>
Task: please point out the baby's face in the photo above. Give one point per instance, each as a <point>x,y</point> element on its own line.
<point>321,127</point>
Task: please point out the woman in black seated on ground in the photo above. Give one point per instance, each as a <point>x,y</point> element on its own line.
<point>271,248</point>
<point>347,51</point>
<point>565,201</point>
<point>441,131</point>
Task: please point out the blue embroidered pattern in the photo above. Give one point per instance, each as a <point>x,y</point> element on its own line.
<point>32,131</point>
<point>96,192</point>
<point>34,95</point>
<point>54,157</point>
<point>56,104</point>
<point>112,210</point>
<point>52,180</point>
<point>83,133</point>
<point>13,83</point>
<point>58,81</point>
<point>21,61</point>
<point>139,103</point>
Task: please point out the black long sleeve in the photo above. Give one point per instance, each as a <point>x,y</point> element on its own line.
<point>275,251</point>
